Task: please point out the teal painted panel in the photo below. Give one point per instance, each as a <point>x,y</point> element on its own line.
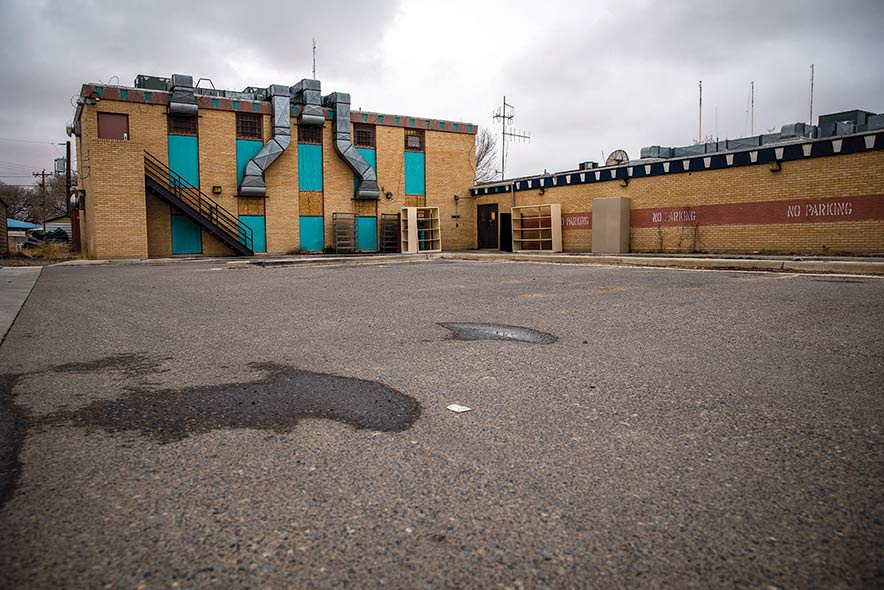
<point>245,151</point>
<point>367,234</point>
<point>414,173</point>
<point>370,155</point>
<point>310,228</point>
<point>259,234</point>
<point>184,157</point>
<point>309,167</point>
<point>187,237</point>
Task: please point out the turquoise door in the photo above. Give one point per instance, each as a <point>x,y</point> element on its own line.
<point>187,237</point>
<point>259,235</point>
<point>184,157</point>
<point>414,173</point>
<point>367,234</point>
<point>310,228</point>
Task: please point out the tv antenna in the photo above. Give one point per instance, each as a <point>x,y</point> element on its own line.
<point>314,58</point>
<point>811,95</point>
<point>505,115</point>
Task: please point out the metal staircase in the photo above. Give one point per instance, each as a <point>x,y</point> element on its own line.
<point>168,185</point>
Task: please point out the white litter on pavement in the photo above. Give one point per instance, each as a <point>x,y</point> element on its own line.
<point>459,408</point>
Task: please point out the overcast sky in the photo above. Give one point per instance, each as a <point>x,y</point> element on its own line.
<point>585,77</point>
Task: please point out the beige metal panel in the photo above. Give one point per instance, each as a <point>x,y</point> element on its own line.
<point>610,225</point>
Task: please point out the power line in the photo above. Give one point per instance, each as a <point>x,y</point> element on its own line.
<point>37,141</point>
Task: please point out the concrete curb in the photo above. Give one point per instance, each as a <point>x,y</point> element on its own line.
<point>16,283</point>
<point>807,266</point>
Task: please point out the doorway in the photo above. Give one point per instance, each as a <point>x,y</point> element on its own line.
<point>506,232</point>
<point>487,220</point>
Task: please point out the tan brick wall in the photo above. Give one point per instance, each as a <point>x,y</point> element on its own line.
<point>450,169</point>
<point>117,203</point>
<point>337,183</point>
<point>159,228</point>
<point>847,176</point>
<point>283,236</point>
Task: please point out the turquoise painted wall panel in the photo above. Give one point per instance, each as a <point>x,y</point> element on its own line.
<point>367,234</point>
<point>309,167</point>
<point>184,157</point>
<point>311,233</point>
<point>187,237</point>
<point>370,156</point>
<point>414,173</point>
<point>259,234</point>
<point>245,151</point>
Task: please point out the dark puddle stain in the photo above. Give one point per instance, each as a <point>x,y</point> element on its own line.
<point>480,331</point>
<point>277,402</point>
<point>13,427</point>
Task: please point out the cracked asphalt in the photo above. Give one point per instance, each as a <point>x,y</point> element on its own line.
<point>191,426</point>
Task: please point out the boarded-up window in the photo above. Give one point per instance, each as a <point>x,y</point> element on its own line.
<point>414,140</point>
<point>363,136</point>
<point>248,126</point>
<point>113,126</point>
<point>309,134</point>
<point>182,125</point>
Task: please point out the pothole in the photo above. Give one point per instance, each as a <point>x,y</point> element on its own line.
<point>276,403</point>
<point>480,331</point>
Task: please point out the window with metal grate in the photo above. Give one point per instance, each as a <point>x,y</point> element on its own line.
<point>249,126</point>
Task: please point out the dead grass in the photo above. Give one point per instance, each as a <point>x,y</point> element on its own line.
<point>47,254</point>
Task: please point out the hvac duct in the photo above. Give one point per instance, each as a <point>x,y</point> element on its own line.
<point>181,98</point>
<point>367,188</point>
<point>308,94</point>
<point>253,184</point>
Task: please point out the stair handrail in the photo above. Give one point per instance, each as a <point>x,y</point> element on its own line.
<point>198,200</point>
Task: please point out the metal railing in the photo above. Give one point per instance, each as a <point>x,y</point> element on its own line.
<point>194,198</point>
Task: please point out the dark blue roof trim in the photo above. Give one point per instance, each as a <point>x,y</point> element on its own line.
<point>819,148</point>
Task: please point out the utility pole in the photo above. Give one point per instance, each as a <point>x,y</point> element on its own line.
<point>43,176</point>
<point>504,115</point>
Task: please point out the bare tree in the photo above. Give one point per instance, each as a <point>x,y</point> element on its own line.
<point>28,204</point>
<point>486,155</point>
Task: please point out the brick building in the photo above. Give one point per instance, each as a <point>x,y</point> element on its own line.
<point>808,189</point>
<point>166,168</point>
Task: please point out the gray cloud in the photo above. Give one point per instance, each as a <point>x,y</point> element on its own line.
<point>585,77</point>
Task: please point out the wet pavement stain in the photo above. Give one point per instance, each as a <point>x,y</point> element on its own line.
<point>278,402</point>
<point>13,427</point>
<point>480,331</point>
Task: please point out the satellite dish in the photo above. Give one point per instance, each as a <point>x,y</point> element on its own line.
<point>616,158</point>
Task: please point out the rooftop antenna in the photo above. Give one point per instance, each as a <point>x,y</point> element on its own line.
<point>811,95</point>
<point>314,58</point>
<point>505,114</point>
<point>700,130</point>
<point>752,102</point>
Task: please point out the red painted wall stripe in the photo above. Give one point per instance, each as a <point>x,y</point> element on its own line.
<point>857,208</point>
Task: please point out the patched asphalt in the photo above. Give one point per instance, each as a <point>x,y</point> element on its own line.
<point>191,426</point>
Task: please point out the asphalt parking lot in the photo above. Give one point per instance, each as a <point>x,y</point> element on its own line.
<point>190,426</point>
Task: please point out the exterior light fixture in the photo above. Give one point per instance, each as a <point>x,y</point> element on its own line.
<point>216,189</point>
